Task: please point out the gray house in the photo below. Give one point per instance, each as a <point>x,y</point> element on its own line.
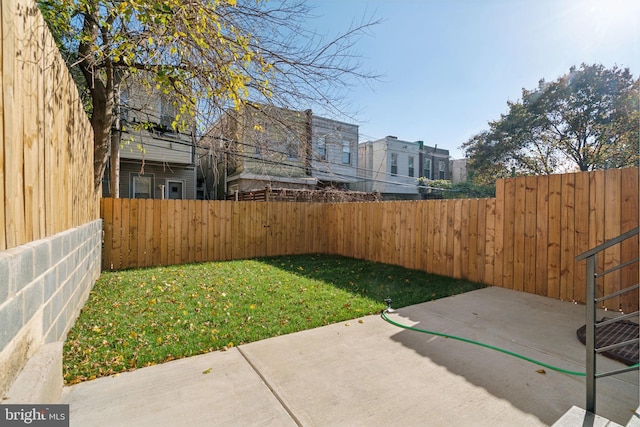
<point>334,158</point>
<point>156,161</point>
<point>262,146</point>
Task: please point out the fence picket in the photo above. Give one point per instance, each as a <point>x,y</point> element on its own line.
<point>542,235</point>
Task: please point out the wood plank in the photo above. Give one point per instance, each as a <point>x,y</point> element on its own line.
<point>3,141</point>
<point>49,146</point>
<point>125,247</point>
<point>133,233</point>
<point>236,252</point>
<point>498,242</point>
<point>150,225</point>
<point>394,237</point>
<point>142,233</point>
<point>567,239</point>
<point>508,236</point>
<point>278,223</point>
<point>519,234</point>
<point>156,238</point>
<point>460,232</point>
<point>530,233</point>
<point>542,235</point>
<point>378,230</point>
<point>437,229</point>
<point>411,234</point>
<point>117,235</point>
<point>630,247</point>
<point>298,229</point>
<point>612,193</point>
<point>107,245</point>
<point>29,62</point>
<point>213,217</point>
<point>163,231</point>
<point>171,231</point>
<point>472,256</point>
<point>197,230</point>
<point>204,229</point>
<point>465,236</point>
<point>481,247</point>
<point>192,229</point>
<point>420,226</point>
<point>581,236</point>
<point>597,220</point>
<point>13,156</point>
<point>555,226</point>
<point>182,251</point>
<point>450,241</point>
<point>490,239</point>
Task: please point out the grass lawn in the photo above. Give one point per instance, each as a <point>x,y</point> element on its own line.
<point>143,317</point>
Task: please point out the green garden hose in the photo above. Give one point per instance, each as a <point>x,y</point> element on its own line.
<point>501,350</point>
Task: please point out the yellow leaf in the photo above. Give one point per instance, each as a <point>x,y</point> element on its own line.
<point>133,334</point>
<point>207,371</point>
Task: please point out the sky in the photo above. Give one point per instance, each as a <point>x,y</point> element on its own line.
<point>448,67</point>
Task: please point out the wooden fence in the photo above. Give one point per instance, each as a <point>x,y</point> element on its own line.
<point>46,141</point>
<point>526,238</point>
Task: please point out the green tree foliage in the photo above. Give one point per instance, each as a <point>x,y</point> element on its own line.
<point>587,119</point>
<point>209,55</point>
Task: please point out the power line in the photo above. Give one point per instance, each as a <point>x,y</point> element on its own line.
<point>353,178</point>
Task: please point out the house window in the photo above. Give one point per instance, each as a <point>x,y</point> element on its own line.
<point>124,105</point>
<point>346,152</point>
<point>441,169</point>
<point>394,164</point>
<point>322,148</point>
<point>426,168</point>
<point>292,147</point>
<point>141,186</point>
<point>167,112</point>
<point>411,172</point>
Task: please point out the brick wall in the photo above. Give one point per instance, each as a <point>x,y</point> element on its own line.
<point>43,286</point>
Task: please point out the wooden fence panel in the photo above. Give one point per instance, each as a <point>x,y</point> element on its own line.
<point>45,137</point>
<point>630,248</point>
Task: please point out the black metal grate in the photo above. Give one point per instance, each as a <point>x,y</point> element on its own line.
<point>613,334</point>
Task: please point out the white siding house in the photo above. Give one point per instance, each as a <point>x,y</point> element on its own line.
<point>392,166</point>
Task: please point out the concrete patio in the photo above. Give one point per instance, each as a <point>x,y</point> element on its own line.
<point>367,372</point>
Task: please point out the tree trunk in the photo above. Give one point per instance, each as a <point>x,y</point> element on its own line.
<point>101,94</point>
<point>115,141</point>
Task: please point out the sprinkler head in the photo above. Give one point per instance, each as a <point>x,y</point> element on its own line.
<point>388,302</point>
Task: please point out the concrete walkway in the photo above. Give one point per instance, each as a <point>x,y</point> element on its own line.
<point>366,372</point>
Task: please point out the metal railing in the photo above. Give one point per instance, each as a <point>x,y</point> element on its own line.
<point>592,325</point>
